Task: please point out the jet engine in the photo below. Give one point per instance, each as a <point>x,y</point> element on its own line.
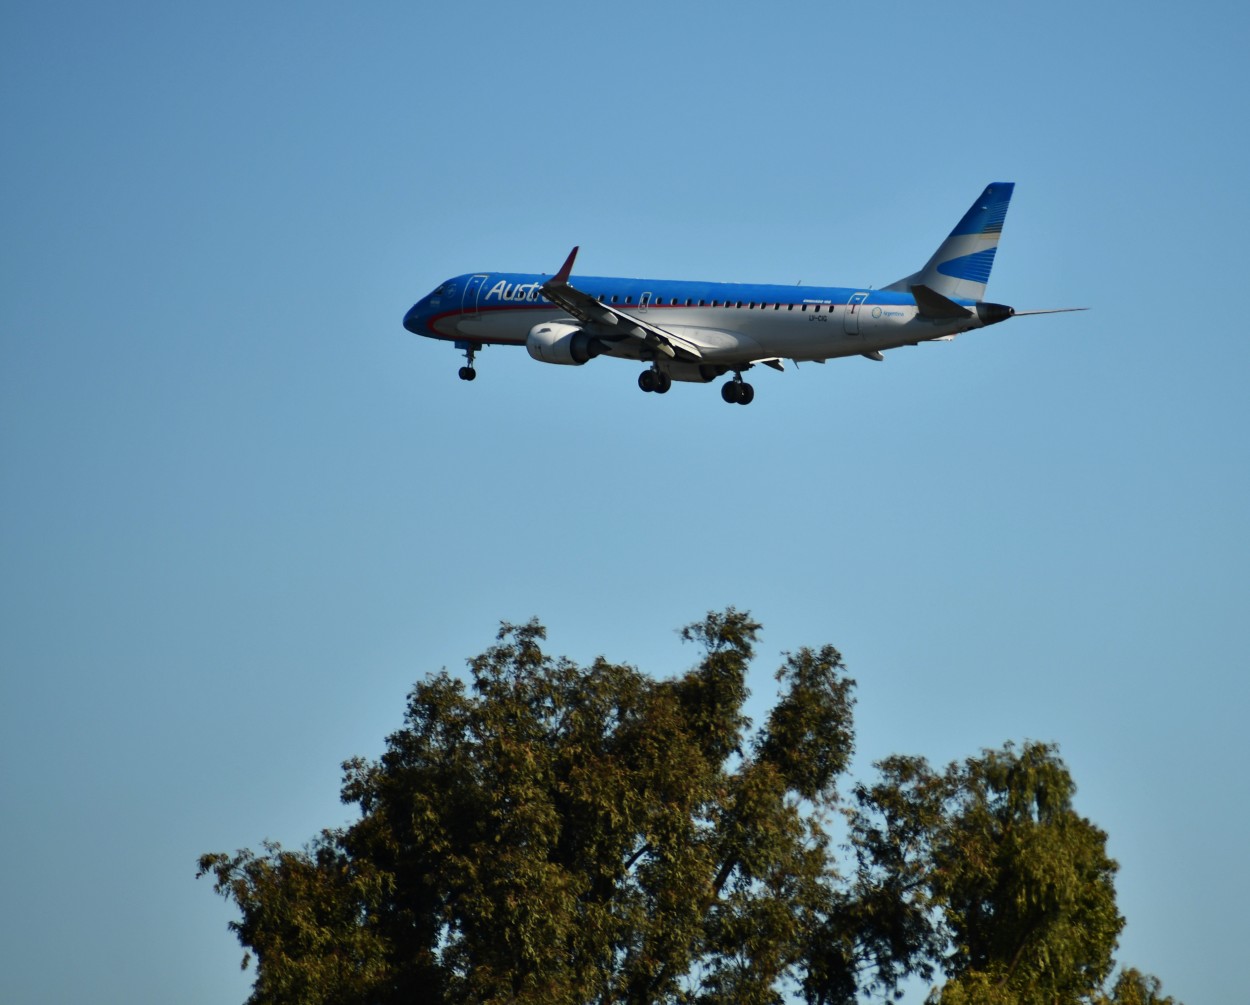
<point>568,345</point>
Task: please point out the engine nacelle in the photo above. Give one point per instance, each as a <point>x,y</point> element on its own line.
<point>568,345</point>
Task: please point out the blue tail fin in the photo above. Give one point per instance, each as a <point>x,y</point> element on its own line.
<point>960,268</point>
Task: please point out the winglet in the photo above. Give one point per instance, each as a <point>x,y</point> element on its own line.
<point>566,269</point>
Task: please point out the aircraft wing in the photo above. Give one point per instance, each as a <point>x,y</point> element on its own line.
<point>610,322</point>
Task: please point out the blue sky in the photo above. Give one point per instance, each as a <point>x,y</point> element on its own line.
<point>243,509</point>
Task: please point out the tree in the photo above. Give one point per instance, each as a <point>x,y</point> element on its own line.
<point>1133,987</point>
<point>566,834</point>
<point>563,834</point>
<point>1025,882</point>
<point>1010,890</point>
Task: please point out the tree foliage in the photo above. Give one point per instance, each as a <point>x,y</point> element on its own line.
<point>1025,883</point>
<point>1133,987</point>
<point>563,834</point>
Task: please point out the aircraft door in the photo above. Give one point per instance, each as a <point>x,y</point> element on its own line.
<point>468,303</point>
<point>854,307</point>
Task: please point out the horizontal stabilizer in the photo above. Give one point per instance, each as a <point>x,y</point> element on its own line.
<point>932,305</point>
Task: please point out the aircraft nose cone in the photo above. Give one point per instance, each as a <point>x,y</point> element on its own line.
<point>412,320</point>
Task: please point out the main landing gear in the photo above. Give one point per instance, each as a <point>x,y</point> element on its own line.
<point>737,391</point>
<point>655,380</point>
<point>467,372</point>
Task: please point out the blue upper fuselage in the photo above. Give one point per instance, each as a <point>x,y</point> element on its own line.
<point>715,304</point>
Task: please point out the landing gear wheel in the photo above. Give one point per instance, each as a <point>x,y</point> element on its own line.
<point>737,392</point>
<point>729,391</point>
<point>468,373</point>
<point>746,394</point>
<point>662,382</point>
<point>647,381</point>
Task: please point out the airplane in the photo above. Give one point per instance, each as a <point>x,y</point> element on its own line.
<point>700,331</point>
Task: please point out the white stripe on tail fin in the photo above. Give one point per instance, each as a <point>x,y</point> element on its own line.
<point>960,268</point>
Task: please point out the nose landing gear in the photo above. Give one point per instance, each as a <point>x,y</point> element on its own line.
<point>470,350</point>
